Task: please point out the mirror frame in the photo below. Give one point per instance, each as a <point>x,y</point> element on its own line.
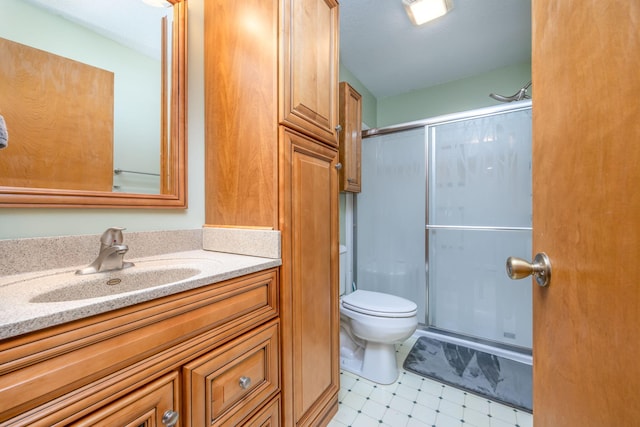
<point>18,197</point>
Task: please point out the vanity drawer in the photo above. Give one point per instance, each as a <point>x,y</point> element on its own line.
<point>269,416</point>
<point>227,385</point>
<point>143,407</point>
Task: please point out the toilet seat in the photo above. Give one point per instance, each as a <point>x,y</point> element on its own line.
<point>379,304</point>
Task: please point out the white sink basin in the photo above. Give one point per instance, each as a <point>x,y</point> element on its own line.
<point>67,286</point>
<point>109,283</point>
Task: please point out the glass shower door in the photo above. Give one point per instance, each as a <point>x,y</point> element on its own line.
<point>390,247</point>
<point>479,213</point>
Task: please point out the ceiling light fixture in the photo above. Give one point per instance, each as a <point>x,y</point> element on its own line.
<point>422,11</point>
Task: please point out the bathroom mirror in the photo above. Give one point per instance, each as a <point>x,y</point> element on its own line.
<point>124,127</point>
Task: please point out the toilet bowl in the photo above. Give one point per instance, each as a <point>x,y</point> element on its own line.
<point>371,323</point>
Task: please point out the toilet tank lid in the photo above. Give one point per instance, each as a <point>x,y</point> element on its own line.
<point>377,302</point>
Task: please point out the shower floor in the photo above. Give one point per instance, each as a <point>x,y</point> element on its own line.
<point>479,372</point>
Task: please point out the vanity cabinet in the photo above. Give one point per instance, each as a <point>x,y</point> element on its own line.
<point>130,366</point>
<point>350,119</point>
<point>271,105</point>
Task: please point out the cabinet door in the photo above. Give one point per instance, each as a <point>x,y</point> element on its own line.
<point>310,68</point>
<point>309,291</point>
<point>350,107</point>
<point>145,407</point>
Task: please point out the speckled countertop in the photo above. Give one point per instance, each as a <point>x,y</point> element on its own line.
<point>33,301</point>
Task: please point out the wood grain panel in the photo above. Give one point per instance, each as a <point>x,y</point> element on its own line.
<point>309,279</point>
<point>241,66</point>
<point>586,212</point>
<point>56,140</point>
<point>350,138</point>
<point>309,97</point>
<point>269,416</point>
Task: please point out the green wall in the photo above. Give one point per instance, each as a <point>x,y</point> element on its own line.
<point>460,95</point>
<point>452,97</point>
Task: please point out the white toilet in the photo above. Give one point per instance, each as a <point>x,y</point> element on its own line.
<point>371,323</point>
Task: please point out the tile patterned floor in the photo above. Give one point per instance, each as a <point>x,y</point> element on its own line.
<point>413,401</point>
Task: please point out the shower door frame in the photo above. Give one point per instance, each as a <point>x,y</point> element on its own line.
<point>472,114</point>
<point>427,124</point>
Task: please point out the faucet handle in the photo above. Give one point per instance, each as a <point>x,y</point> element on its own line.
<point>112,236</point>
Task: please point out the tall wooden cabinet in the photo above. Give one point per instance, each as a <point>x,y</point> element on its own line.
<point>310,224</point>
<point>271,106</point>
<point>350,138</point>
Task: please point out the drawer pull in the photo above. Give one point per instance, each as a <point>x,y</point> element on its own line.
<point>244,382</point>
<point>170,418</point>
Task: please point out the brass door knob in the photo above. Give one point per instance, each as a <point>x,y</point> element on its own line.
<point>518,268</point>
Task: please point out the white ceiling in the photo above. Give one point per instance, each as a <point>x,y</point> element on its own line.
<point>390,56</point>
<point>129,22</point>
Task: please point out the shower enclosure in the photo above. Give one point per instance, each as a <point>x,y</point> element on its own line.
<point>445,201</point>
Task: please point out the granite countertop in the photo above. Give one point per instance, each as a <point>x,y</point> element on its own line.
<point>33,301</point>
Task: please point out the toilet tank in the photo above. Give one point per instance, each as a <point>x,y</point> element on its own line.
<point>343,269</point>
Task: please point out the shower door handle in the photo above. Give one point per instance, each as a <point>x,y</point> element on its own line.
<point>518,268</point>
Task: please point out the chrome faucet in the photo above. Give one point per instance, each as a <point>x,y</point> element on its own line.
<point>111,253</point>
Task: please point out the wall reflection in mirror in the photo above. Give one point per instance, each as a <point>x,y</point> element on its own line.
<point>89,93</point>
